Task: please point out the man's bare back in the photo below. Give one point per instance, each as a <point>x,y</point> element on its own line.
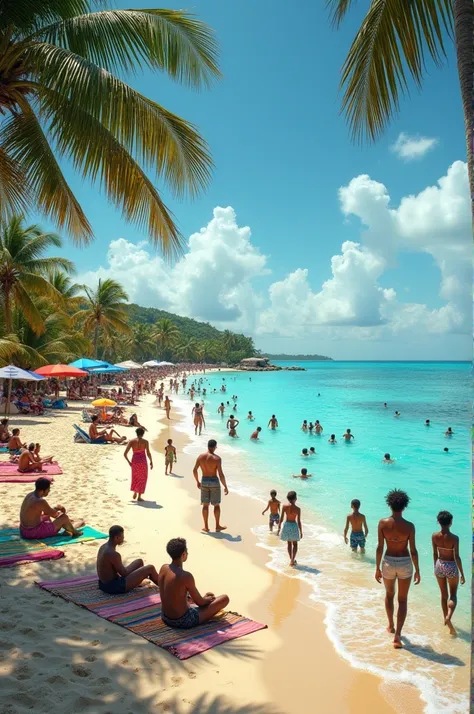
<point>108,563</point>
<point>357,521</point>
<point>397,534</point>
<point>209,464</point>
<point>32,509</point>
<point>174,584</point>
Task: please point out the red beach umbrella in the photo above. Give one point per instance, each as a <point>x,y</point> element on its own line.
<point>60,370</point>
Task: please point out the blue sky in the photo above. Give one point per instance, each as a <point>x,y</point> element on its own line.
<point>282,151</point>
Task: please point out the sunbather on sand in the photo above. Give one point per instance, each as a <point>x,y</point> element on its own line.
<point>102,435</point>
<point>15,444</point>
<point>175,585</point>
<point>4,433</point>
<point>27,461</point>
<point>36,515</point>
<point>37,457</point>
<point>114,577</point>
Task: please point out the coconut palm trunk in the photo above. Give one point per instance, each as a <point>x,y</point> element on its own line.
<point>464,39</point>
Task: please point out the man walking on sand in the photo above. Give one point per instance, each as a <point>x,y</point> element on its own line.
<point>210,485</point>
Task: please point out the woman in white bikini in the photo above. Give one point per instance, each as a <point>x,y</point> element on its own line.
<point>447,566</point>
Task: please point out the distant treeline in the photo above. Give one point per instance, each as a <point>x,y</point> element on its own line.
<point>299,358</point>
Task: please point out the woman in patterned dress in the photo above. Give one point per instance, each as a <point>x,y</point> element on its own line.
<point>141,450</point>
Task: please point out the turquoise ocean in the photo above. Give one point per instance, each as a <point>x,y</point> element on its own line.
<point>352,395</point>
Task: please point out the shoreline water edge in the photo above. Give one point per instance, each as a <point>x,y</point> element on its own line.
<point>439,666</point>
<point>298,664</point>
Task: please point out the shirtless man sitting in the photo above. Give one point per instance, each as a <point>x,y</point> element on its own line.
<point>175,585</point>
<point>28,462</point>
<point>4,432</point>
<point>36,515</point>
<point>15,444</point>
<point>114,577</point>
<point>101,435</point>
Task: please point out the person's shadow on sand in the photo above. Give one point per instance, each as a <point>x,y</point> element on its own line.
<point>147,504</point>
<point>222,535</point>
<point>427,652</point>
<point>174,475</point>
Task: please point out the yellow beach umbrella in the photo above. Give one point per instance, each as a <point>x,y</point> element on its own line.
<point>104,402</point>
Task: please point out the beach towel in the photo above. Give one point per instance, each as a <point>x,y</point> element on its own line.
<point>17,551</point>
<point>9,473</point>
<point>63,538</point>
<point>140,612</point>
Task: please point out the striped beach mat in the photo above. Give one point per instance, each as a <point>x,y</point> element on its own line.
<point>140,612</point>
<point>17,551</point>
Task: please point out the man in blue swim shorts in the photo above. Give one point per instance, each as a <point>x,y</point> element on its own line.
<point>176,585</point>
<point>359,529</point>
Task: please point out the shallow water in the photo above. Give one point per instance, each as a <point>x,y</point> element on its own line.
<point>352,396</point>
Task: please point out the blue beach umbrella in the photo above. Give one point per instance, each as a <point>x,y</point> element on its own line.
<point>12,372</point>
<point>86,363</point>
<point>107,368</point>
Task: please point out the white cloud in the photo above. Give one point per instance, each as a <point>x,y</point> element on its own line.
<point>211,282</point>
<point>436,221</point>
<point>412,147</point>
<point>216,278</point>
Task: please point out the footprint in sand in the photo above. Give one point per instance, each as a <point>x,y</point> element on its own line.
<point>38,655</point>
<point>103,680</point>
<point>90,658</point>
<point>23,672</point>
<point>80,671</point>
<point>176,681</point>
<point>57,679</point>
<point>77,638</point>
<point>94,643</point>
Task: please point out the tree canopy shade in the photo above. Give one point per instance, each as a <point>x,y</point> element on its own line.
<point>62,97</point>
<point>392,44</point>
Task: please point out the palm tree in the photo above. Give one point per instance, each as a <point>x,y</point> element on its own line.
<point>104,311</point>
<point>70,292</point>
<point>188,349</point>
<point>166,334</point>
<point>392,38</point>
<point>61,98</point>
<point>24,270</point>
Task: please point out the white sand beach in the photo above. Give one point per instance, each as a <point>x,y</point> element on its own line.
<point>54,653</point>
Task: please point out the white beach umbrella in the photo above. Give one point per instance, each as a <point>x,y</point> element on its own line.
<point>11,372</point>
<point>151,363</point>
<point>165,364</point>
<point>129,364</point>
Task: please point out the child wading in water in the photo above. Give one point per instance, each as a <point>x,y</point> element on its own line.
<point>274,506</point>
<point>292,530</point>
<point>170,456</point>
<point>359,527</point>
<point>447,566</point>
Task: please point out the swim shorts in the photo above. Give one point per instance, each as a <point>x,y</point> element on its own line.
<point>357,539</point>
<point>117,586</point>
<point>401,568</point>
<point>210,491</point>
<point>274,518</point>
<point>446,569</point>
<point>45,529</point>
<point>185,622</point>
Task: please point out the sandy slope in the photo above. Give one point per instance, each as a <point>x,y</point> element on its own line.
<point>53,654</point>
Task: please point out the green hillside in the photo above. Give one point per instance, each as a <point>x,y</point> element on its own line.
<point>186,325</point>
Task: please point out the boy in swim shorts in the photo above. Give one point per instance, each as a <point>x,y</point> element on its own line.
<point>274,506</point>
<point>359,529</point>
<point>170,456</point>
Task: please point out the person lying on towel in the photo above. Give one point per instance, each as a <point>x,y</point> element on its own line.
<point>114,577</point>
<point>175,586</point>
<point>102,435</point>
<point>38,520</point>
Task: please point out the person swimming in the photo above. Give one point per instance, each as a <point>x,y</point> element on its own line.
<point>303,474</point>
<point>449,431</point>
<point>304,426</point>
<point>387,460</point>
<point>427,422</point>
<point>304,452</point>
<point>396,415</point>
<point>312,451</point>
<point>348,436</point>
<point>332,440</point>
<point>250,416</point>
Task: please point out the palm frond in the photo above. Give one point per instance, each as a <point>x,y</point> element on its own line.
<point>25,303</point>
<point>14,194</point>
<point>25,142</point>
<point>28,15</point>
<point>393,38</point>
<point>157,138</point>
<point>171,40</point>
